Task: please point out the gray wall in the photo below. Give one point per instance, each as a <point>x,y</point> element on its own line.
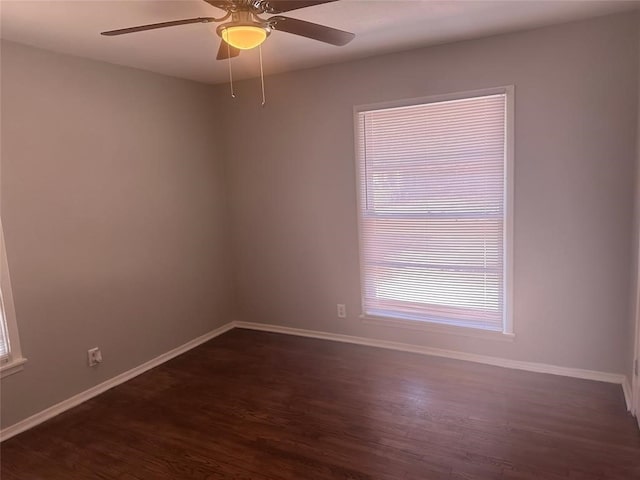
<point>634,328</point>
<point>293,198</point>
<point>113,206</point>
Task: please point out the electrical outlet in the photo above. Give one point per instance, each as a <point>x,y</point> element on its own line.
<point>95,356</point>
<point>342,310</point>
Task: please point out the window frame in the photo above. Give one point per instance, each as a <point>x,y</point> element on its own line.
<point>14,361</point>
<point>507,332</point>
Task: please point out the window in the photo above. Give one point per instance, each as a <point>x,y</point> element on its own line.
<point>434,210</point>
<point>11,360</point>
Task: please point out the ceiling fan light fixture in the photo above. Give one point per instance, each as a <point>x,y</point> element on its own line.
<point>244,37</point>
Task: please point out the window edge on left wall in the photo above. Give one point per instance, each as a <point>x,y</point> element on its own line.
<point>15,361</point>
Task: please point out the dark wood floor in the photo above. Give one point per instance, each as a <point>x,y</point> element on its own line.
<point>262,406</point>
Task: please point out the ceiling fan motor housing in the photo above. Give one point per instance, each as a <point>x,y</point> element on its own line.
<point>254,6</point>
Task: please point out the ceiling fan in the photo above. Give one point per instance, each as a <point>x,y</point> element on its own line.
<point>247,30</point>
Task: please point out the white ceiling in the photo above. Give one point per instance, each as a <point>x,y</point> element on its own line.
<point>189,51</point>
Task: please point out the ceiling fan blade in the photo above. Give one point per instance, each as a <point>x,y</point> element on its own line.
<point>153,26</point>
<point>227,51</point>
<point>311,30</point>
<point>280,6</point>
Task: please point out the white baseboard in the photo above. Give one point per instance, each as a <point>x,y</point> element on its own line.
<point>471,357</point>
<point>81,397</point>
<point>626,388</point>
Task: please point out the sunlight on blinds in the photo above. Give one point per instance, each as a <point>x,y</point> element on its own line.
<point>432,211</point>
<point>4,339</point>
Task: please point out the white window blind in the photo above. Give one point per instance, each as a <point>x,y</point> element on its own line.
<point>432,211</point>
<point>4,338</point>
<point>11,359</point>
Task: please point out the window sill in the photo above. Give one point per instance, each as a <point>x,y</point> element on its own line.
<point>14,366</point>
<point>438,328</point>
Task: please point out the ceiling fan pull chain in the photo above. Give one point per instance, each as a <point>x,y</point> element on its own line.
<point>233,95</point>
<point>264,100</point>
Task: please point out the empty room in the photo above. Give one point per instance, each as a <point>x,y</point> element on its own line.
<point>316,240</point>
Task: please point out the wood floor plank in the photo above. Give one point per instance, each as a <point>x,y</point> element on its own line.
<point>262,406</point>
